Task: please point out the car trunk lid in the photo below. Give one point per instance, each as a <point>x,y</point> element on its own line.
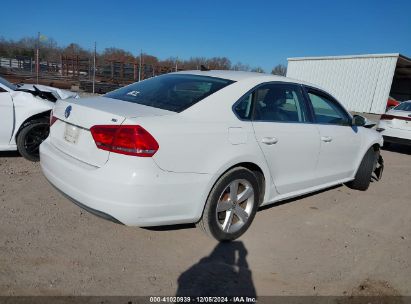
<point>399,119</point>
<point>71,131</point>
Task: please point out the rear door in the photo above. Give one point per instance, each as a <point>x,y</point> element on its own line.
<point>290,143</point>
<point>340,142</point>
<point>6,117</point>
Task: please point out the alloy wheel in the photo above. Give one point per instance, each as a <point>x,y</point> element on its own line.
<point>235,206</point>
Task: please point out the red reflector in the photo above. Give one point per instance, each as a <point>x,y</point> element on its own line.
<point>391,117</point>
<point>126,139</point>
<point>53,119</point>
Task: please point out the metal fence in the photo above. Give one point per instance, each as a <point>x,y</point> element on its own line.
<point>74,70</point>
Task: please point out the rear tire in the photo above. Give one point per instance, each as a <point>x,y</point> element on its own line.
<point>32,134</point>
<point>363,177</point>
<point>231,205</point>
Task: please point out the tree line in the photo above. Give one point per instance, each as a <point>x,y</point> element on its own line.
<point>51,51</point>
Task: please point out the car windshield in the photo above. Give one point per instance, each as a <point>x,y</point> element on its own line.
<point>404,106</point>
<point>172,92</point>
<point>8,84</point>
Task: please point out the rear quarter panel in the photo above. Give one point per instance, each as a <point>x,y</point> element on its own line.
<point>203,147</point>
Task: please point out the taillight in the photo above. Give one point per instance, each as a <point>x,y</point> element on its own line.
<point>126,139</point>
<point>53,119</point>
<point>391,117</point>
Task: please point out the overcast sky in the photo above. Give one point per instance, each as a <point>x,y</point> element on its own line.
<point>260,33</point>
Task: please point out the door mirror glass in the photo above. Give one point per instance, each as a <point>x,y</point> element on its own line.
<point>358,121</point>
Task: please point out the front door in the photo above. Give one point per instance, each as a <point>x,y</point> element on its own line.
<point>340,142</point>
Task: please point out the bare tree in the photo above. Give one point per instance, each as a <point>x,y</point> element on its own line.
<point>51,51</point>
<point>219,63</point>
<point>149,59</point>
<point>239,66</point>
<point>257,69</point>
<point>280,70</point>
<point>116,54</point>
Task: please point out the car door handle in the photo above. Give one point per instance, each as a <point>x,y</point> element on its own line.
<point>269,140</point>
<point>326,138</point>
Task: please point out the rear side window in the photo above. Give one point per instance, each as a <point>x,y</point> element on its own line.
<point>405,106</point>
<point>172,92</point>
<point>243,108</point>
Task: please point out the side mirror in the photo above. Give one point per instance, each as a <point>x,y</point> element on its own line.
<point>358,121</point>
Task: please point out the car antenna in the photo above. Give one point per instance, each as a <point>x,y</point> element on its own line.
<point>203,68</point>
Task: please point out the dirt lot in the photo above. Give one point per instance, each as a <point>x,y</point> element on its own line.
<point>337,242</point>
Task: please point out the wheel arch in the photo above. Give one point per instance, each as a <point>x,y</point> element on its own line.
<point>375,145</point>
<point>41,115</point>
<point>258,172</point>
<point>262,173</point>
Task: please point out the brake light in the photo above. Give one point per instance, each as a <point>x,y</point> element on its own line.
<point>391,117</point>
<point>53,119</point>
<point>125,139</point>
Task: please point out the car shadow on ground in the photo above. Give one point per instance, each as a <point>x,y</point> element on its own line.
<point>224,272</point>
<point>9,154</point>
<point>403,149</point>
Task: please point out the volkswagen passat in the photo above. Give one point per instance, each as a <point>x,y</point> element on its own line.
<point>205,147</point>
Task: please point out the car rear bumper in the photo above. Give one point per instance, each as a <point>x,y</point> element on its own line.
<point>131,190</point>
<point>394,135</point>
<point>397,140</point>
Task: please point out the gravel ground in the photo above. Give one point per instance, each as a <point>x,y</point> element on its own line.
<point>336,242</point>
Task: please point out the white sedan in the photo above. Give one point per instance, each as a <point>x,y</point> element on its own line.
<point>395,125</point>
<point>205,147</point>
<point>24,116</point>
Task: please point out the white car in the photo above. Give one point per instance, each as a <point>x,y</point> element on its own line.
<point>24,116</point>
<point>206,147</point>
<point>395,125</point>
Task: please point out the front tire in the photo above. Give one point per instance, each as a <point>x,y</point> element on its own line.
<point>231,205</point>
<point>363,177</point>
<point>30,137</point>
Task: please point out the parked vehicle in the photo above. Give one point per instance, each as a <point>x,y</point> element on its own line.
<point>24,116</point>
<point>395,125</point>
<point>391,103</point>
<point>205,147</point>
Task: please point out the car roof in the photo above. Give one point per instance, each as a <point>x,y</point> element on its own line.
<point>241,75</point>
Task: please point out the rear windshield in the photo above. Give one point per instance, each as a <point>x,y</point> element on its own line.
<point>404,106</point>
<point>172,92</point>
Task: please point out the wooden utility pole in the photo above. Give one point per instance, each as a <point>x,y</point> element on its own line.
<point>94,67</point>
<point>37,57</point>
<point>139,66</point>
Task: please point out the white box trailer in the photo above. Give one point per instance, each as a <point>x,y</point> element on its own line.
<point>362,83</point>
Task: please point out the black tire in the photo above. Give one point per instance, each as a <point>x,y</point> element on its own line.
<point>29,138</point>
<point>211,221</point>
<point>363,177</point>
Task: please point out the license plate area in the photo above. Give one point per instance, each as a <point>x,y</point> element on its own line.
<point>71,133</point>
